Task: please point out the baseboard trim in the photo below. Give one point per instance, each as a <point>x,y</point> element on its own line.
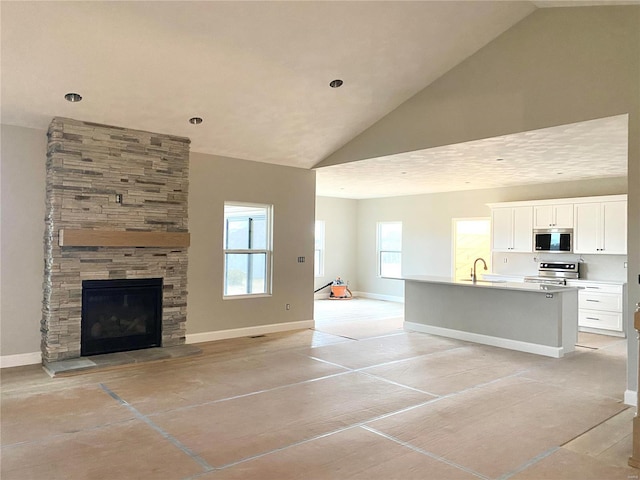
<point>20,359</point>
<point>377,296</point>
<point>248,331</point>
<point>555,352</point>
<point>631,398</point>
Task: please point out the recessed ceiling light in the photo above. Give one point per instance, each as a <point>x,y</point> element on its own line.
<point>195,120</point>
<point>499,159</point>
<point>73,97</point>
<point>335,83</point>
<point>403,173</point>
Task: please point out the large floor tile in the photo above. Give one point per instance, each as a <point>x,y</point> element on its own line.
<point>496,428</point>
<point>216,380</point>
<point>595,341</point>
<point>129,450</point>
<point>374,351</point>
<point>604,436</point>
<point>369,456</point>
<point>366,328</point>
<point>273,342</point>
<point>341,311</point>
<point>453,370</point>
<point>31,417</point>
<point>228,431</point>
<point>359,318</point>
<point>603,374</point>
<point>281,420</point>
<point>618,454</point>
<point>567,465</point>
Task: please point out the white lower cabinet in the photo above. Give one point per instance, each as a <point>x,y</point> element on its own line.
<point>600,307</point>
<point>600,320</point>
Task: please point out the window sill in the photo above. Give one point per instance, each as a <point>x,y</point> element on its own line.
<point>248,295</point>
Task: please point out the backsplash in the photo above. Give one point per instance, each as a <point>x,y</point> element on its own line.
<point>592,267</point>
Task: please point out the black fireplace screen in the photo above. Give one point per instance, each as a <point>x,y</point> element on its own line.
<point>120,315</point>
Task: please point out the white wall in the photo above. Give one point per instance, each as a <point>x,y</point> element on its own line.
<point>427,227</point>
<point>340,216</point>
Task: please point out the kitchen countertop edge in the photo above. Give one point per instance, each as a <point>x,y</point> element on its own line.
<point>523,287</point>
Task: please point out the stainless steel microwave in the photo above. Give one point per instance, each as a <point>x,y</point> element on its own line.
<point>553,240</point>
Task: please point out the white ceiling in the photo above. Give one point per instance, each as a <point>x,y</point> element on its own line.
<point>257,72</point>
<point>579,151</point>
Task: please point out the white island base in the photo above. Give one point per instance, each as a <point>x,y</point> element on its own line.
<point>531,318</point>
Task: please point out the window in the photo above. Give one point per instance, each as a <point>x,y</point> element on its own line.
<point>247,249</point>
<point>471,239</point>
<point>318,258</point>
<point>389,249</point>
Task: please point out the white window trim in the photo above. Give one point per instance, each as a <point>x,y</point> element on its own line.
<point>268,252</point>
<point>321,250</point>
<point>379,251</point>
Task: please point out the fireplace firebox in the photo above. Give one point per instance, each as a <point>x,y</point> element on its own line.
<point>120,315</point>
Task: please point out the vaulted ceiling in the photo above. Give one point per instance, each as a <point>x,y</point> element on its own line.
<point>258,73</point>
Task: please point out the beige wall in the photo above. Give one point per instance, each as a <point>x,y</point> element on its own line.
<point>556,66</point>
<point>23,157</point>
<point>339,215</point>
<point>214,180</point>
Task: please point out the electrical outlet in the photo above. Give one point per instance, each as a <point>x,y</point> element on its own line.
<point>287,306</point>
<point>300,259</point>
<point>504,260</point>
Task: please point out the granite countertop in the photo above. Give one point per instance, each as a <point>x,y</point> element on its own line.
<point>523,287</point>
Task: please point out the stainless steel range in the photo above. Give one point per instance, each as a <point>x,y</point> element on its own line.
<point>555,273</point>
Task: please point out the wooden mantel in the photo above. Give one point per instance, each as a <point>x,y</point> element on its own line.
<point>111,238</point>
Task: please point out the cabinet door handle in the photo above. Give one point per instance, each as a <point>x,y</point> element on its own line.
<point>590,300</point>
<point>593,318</point>
<point>595,288</point>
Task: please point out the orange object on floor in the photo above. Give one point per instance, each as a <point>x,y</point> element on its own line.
<point>340,292</point>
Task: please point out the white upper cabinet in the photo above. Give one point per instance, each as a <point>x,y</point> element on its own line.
<point>553,216</point>
<point>512,229</point>
<point>601,227</point>
<point>599,223</point>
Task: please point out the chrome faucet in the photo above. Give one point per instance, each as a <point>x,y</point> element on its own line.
<point>474,277</point>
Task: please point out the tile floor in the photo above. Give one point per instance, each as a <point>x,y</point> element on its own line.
<point>357,398</point>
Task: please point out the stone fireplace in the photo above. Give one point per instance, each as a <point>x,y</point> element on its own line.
<point>116,209</point>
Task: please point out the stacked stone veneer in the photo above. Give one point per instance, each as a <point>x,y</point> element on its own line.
<point>87,165</point>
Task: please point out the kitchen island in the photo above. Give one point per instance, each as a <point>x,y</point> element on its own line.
<point>529,317</point>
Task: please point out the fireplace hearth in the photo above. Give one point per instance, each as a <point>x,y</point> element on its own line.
<point>120,315</point>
